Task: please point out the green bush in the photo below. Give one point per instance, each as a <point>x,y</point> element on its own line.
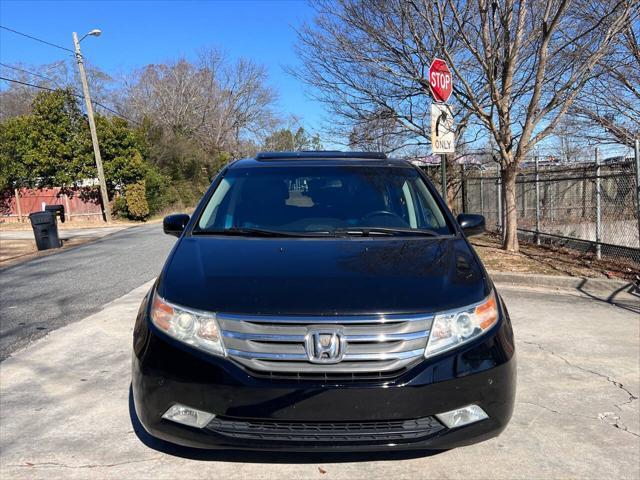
<point>159,191</point>
<point>189,192</point>
<point>120,207</point>
<point>137,206</point>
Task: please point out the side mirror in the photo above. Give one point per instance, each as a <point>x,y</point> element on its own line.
<point>175,224</point>
<point>471,224</point>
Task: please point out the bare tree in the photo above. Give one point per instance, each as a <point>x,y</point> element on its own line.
<point>367,61</point>
<point>218,103</point>
<point>611,99</point>
<point>17,98</point>
<point>519,66</point>
<point>29,80</point>
<point>381,133</point>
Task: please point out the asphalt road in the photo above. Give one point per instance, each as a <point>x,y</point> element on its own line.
<point>576,412</point>
<point>47,293</point>
<point>63,233</point>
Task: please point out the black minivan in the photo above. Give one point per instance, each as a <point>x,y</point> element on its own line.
<point>323,301</point>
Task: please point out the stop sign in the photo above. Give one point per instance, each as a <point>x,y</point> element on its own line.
<point>440,80</point>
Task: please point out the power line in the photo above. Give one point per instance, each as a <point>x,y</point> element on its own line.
<point>47,78</point>
<point>27,72</point>
<point>41,76</point>
<point>37,39</point>
<point>12,80</point>
<point>115,112</point>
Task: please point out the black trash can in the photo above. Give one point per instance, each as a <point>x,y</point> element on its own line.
<point>57,210</point>
<point>45,229</point>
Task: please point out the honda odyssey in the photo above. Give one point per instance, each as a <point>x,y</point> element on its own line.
<point>323,301</point>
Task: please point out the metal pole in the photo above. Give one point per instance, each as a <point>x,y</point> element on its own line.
<point>481,192</point>
<point>523,190</point>
<point>463,188</point>
<point>598,206</point>
<point>92,128</point>
<point>637,155</point>
<point>537,203</point>
<point>584,193</point>
<point>443,175</point>
<point>499,200</point>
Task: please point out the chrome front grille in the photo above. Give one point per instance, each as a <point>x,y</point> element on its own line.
<point>373,343</point>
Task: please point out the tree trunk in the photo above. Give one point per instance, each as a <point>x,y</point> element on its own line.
<point>510,234</point>
<point>451,197</point>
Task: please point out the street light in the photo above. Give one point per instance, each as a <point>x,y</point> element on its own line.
<point>92,124</point>
<point>96,32</point>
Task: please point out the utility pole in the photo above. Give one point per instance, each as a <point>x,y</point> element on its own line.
<point>92,124</point>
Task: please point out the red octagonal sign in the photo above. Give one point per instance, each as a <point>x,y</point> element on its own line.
<point>440,81</point>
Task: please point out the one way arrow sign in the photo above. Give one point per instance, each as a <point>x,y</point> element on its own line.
<point>442,129</point>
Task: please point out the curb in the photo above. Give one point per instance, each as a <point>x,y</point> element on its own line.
<point>606,289</point>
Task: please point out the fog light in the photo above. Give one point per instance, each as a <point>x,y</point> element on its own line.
<point>188,416</point>
<point>462,416</point>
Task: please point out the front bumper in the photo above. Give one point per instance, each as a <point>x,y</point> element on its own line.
<point>165,373</point>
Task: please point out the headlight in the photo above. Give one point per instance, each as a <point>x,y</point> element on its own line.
<point>451,329</point>
<point>195,328</point>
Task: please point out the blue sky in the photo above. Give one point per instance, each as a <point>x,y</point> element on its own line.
<point>136,33</point>
<point>142,32</point>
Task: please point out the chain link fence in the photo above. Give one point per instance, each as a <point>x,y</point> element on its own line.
<point>590,207</point>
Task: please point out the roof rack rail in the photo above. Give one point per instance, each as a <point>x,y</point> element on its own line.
<point>320,154</point>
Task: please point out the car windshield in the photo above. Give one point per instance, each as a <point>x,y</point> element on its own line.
<point>322,200</point>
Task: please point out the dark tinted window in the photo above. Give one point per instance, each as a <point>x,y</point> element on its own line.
<point>322,199</point>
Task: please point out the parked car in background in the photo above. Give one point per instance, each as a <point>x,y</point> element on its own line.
<point>323,301</point>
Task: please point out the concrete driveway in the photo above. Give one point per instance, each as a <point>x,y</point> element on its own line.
<point>64,407</point>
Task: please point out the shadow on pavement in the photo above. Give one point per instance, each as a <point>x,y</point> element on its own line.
<point>251,456</point>
<point>629,301</point>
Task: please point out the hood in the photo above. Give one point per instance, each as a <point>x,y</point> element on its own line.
<point>322,276</point>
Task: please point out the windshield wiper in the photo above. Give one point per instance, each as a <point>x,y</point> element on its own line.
<point>258,232</point>
<point>354,231</point>
<point>373,231</point>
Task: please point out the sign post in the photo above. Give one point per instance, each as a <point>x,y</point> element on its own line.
<point>442,128</point>
<point>443,176</point>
